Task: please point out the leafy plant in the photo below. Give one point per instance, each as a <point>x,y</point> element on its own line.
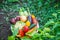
<point>46,11</point>
<point>12,0</point>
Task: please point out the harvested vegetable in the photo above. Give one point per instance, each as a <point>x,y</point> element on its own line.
<point>24,25</point>
<point>32,16</point>
<point>18,18</point>
<point>28,23</point>
<point>34,21</point>
<point>25,29</point>
<point>30,19</point>
<point>32,25</point>
<point>21,33</point>
<point>23,18</point>
<point>19,24</point>
<point>30,31</point>
<point>13,21</point>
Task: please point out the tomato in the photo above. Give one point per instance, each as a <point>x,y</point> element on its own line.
<point>13,21</point>
<point>21,33</point>
<point>26,29</point>
<point>23,18</point>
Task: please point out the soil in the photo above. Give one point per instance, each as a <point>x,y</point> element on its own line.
<point>5,30</point>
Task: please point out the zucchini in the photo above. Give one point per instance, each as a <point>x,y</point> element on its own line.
<point>32,25</point>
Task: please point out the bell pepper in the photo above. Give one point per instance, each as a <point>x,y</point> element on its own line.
<point>32,16</point>
<point>28,23</point>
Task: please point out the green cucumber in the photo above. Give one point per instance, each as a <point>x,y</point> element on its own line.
<point>32,25</point>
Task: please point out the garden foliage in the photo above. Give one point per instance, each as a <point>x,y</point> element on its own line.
<point>47,13</point>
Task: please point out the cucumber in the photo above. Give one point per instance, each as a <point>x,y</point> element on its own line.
<point>32,25</point>
<point>30,19</point>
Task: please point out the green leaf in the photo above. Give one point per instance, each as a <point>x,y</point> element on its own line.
<point>50,22</point>
<point>12,0</point>
<point>46,29</point>
<point>55,26</point>
<point>25,38</point>
<point>23,12</point>
<point>14,31</point>
<point>31,33</point>
<point>58,11</point>
<point>11,38</point>
<point>55,15</point>
<point>16,27</point>
<point>48,35</point>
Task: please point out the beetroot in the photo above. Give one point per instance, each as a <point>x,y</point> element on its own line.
<point>17,18</point>
<point>13,21</point>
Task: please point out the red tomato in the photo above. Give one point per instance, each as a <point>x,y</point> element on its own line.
<point>34,21</point>
<point>26,29</point>
<point>21,33</point>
